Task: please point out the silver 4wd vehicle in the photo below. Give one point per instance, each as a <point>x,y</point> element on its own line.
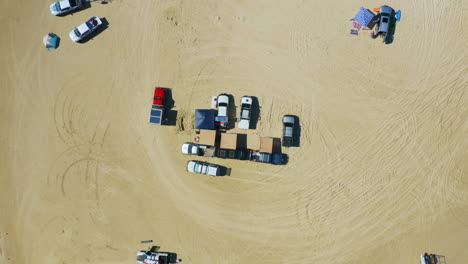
<point>65,6</point>
<point>289,123</point>
<point>209,169</point>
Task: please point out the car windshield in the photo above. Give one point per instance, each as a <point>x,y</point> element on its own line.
<point>77,32</point>
<point>223,104</point>
<point>72,3</point>
<point>56,7</point>
<point>385,14</point>
<point>141,258</point>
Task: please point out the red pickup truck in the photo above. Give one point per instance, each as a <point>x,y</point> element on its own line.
<point>156,115</point>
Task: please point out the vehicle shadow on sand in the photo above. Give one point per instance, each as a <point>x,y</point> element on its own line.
<point>99,30</point>
<point>296,132</point>
<point>232,120</point>
<point>169,104</point>
<point>224,171</point>
<point>255,114</point>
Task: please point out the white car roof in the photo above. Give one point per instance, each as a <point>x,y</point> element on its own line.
<point>223,99</point>
<point>64,4</point>
<point>244,124</point>
<point>83,28</point>
<point>245,114</point>
<point>212,171</point>
<point>222,111</point>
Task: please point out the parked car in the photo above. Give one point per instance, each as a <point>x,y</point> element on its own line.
<point>223,108</point>
<point>273,158</point>
<point>240,154</point>
<point>190,149</point>
<point>156,115</point>
<point>85,29</point>
<point>209,169</point>
<point>245,111</point>
<point>288,130</point>
<point>65,7</point>
<point>386,15</point>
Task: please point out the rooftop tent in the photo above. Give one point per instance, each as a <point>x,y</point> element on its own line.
<point>204,119</point>
<point>364,17</point>
<point>51,41</point>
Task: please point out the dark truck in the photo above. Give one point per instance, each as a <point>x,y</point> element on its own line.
<point>240,154</point>
<point>289,123</point>
<point>273,158</point>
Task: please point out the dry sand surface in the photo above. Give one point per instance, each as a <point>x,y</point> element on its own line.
<point>381,174</point>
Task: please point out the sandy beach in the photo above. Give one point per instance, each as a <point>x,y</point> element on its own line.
<point>380,176</point>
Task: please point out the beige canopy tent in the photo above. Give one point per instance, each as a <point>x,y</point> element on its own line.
<point>228,141</point>
<point>270,145</point>
<point>206,137</point>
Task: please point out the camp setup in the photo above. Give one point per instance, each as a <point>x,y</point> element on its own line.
<point>154,256</point>
<point>432,259</point>
<point>51,41</point>
<point>385,22</point>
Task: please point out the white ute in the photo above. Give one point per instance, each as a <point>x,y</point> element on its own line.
<point>246,109</point>
<point>195,166</point>
<point>223,106</point>
<point>85,29</point>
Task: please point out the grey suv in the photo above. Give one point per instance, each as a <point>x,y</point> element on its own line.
<point>386,16</point>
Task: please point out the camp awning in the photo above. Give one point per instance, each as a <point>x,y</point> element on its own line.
<point>204,119</point>
<point>228,141</point>
<point>270,145</point>
<point>207,137</point>
<point>363,16</point>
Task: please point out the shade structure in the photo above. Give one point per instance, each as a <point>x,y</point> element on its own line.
<point>207,137</point>
<point>156,116</point>
<point>363,17</point>
<point>205,119</point>
<point>228,141</point>
<point>51,41</point>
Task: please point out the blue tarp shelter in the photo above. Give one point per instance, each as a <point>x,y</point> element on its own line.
<point>363,16</point>
<point>205,119</point>
<point>51,41</point>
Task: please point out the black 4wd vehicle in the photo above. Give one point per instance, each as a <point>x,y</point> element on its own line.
<point>240,154</point>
